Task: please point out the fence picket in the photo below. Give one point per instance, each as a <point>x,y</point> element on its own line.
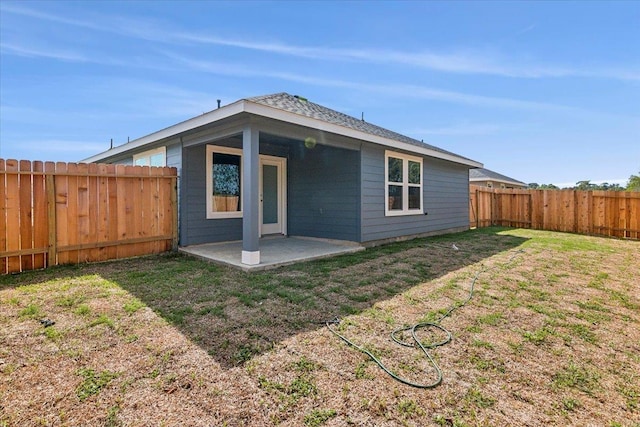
<point>72,209</point>
<point>12,208</point>
<point>114,211</point>
<point>61,213</point>
<point>62,197</point>
<point>40,225</point>
<point>153,191</point>
<point>82,215</point>
<point>26,215</point>
<point>102,215</point>
<point>3,217</point>
<point>606,213</point>
<point>93,194</point>
<point>131,211</point>
<point>50,191</point>
<point>633,219</point>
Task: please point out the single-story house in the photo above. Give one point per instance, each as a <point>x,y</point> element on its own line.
<point>281,164</point>
<point>487,178</point>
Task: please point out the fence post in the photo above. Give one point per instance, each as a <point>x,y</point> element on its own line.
<point>52,253</point>
<point>477,207</point>
<point>530,210</point>
<point>174,209</point>
<point>590,213</point>
<point>494,202</point>
<point>575,211</point>
<point>627,200</point>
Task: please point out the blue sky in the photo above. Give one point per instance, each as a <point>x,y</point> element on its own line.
<point>545,92</point>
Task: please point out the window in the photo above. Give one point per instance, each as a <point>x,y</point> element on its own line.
<point>224,182</point>
<point>156,157</point>
<point>403,184</point>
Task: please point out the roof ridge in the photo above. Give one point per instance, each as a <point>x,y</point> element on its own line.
<point>303,106</point>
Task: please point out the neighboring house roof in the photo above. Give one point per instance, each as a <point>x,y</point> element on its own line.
<point>297,110</point>
<point>482,174</point>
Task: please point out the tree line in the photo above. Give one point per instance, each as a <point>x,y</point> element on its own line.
<point>632,185</point>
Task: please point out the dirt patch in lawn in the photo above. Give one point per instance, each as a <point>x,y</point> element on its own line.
<point>550,337</point>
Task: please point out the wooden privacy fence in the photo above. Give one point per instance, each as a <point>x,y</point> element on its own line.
<point>67,213</point>
<point>607,213</point>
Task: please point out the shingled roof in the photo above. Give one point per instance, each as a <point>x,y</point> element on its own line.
<point>296,110</point>
<point>482,174</point>
<point>299,105</point>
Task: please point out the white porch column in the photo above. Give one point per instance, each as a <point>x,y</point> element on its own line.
<point>250,196</point>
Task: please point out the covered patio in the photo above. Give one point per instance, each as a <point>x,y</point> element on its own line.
<point>275,251</point>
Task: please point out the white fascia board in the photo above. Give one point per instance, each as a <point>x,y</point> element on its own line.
<point>286,116</point>
<point>206,118</point>
<point>503,181</point>
<point>518,184</point>
<point>276,114</point>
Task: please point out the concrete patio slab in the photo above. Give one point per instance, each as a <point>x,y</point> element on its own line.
<point>274,251</point>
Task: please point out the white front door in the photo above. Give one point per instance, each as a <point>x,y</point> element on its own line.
<point>273,195</point>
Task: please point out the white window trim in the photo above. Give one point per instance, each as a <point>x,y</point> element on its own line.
<point>211,150</point>
<point>405,184</point>
<point>149,153</point>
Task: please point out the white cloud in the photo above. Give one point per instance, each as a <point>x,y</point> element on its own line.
<point>485,62</point>
<point>120,100</point>
<point>14,49</point>
<point>395,90</point>
<point>20,49</point>
<point>462,62</point>
<point>85,23</point>
<point>526,29</point>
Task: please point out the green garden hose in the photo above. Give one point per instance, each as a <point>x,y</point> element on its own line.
<point>416,342</point>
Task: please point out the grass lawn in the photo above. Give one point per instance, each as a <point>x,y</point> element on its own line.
<point>551,337</point>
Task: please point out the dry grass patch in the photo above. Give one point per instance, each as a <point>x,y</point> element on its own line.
<point>551,337</point>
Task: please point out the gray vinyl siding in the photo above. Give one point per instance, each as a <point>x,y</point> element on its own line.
<point>174,156</point>
<point>126,161</point>
<point>324,193</point>
<point>195,228</point>
<point>332,193</point>
<point>445,199</point>
<point>446,194</point>
<point>174,159</point>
